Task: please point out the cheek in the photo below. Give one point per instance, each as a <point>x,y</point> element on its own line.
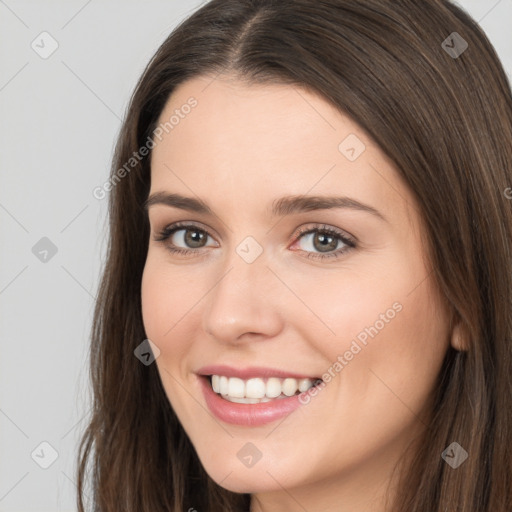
<point>164,315</point>
<point>162,306</point>
<point>388,322</point>
<point>154,301</point>
<point>403,349</point>
<point>164,295</point>
<point>352,306</point>
<point>169,298</point>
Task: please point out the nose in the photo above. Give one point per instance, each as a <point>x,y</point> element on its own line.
<point>243,304</point>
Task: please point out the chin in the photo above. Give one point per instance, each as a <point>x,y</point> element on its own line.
<point>244,481</point>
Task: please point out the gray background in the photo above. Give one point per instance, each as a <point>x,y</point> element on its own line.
<point>60,116</point>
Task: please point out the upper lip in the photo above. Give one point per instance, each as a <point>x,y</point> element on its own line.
<point>250,372</point>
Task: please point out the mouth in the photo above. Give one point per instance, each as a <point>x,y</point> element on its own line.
<point>258,389</point>
<point>254,396</point>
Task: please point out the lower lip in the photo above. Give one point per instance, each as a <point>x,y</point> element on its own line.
<point>249,415</point>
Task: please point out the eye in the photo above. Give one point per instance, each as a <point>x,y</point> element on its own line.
<point>189,235</point>
<point>185,239</point>
<point>325,240</point>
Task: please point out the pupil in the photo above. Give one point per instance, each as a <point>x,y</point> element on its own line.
<point>324,247</point>
<point>194,239</point>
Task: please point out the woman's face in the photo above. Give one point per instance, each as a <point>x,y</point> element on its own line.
<point>264,295</point>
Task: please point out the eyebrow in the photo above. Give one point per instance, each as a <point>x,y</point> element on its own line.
<point>287,205</point>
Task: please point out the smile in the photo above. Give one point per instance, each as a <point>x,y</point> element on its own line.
<point>254,396</point>
<point>259,389</point>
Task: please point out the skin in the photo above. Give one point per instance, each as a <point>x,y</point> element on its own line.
<point>242,147</point>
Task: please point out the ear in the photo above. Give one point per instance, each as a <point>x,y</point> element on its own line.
<point>459,338</point>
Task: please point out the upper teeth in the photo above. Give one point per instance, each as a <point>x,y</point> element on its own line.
<point>233,387</point>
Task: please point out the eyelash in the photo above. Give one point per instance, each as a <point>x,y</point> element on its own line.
<point>350,243</point>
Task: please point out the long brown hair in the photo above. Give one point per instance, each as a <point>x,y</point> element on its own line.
<point>444,118</point>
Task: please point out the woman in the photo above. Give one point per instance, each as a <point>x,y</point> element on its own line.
<point>307,298</point>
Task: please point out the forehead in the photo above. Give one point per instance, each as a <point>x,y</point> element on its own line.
<point>268,122</point>
<point>260,142</point>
